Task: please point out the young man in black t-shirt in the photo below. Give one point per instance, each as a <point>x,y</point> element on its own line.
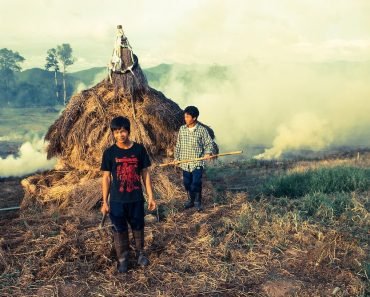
<point>124,165</point>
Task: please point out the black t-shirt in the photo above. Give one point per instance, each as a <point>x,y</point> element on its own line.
<point>125,166</point>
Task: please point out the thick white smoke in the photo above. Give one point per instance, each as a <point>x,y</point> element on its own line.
<point>288,106</point>
<point>304,131</point>
<point>31,158</point>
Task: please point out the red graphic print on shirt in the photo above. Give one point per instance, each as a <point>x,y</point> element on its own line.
<point>127,174</point>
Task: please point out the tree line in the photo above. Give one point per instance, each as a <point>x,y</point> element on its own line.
<point>16,90</point>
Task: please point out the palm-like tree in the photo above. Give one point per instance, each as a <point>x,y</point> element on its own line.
<point>64,55</point>
<point>53,63</point>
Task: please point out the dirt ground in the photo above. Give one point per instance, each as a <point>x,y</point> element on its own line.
<point>11,194</point>
<point>238,246</point>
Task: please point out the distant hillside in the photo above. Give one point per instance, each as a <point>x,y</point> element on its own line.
<point>155,74</point>
<point>36,75</point>
<point>89,76</point>
<point>36,87</point>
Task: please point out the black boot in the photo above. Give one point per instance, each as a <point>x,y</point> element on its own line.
<point>198,201</point>
<point>190,202</point>
<point>142,260</point>
<point>121,245</point>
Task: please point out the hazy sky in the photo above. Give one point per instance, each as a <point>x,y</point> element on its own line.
<point>191,31</point>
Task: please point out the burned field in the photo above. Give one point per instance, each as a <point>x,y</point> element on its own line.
<point>250,240</point>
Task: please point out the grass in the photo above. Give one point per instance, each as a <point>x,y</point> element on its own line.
<point>320,180</point>
<point>18,122</point>
<point>324,206</point>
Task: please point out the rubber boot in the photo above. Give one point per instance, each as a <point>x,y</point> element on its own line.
<point>121,245</point>
<point>190,202</point>
<point>142,259</point>
<point>198,201</point>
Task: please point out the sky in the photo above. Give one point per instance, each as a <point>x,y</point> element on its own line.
<point>191,31</point>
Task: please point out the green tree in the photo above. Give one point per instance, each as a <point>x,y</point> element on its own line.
<point>64,55</point>
<point>9,65</point>
<point>53,63</point>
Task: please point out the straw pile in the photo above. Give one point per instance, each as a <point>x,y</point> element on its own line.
<point>81,134</point>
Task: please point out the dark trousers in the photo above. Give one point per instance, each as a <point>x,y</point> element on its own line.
<point>193,180</point>
<point>122,214</point>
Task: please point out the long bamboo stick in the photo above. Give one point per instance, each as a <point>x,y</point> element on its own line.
<point>200,159</point>
<point>10,208</point>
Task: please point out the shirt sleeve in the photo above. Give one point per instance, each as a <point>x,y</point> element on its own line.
<point>207,142</point>
<point>178,146</point>
<point>106,163</point>
<point>145,160</point>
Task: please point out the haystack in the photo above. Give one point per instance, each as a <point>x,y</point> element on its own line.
<point>80,135</point>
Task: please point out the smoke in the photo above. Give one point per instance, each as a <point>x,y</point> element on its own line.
<point>80,87</point>
<point>99,76</point>
<point>296,75</point>
<point>286,106</point>
<point>11,137</point>
<point>30,158</point>
<point>304,131</point>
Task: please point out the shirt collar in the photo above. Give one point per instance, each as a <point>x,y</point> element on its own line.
<point>195,127</point>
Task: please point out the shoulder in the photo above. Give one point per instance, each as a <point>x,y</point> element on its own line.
<point>109,150</point>
<point>202,128</point>
<point>108,154</point>
<point>140,147</point>
<point>182,129</point>
<point>142,154</point>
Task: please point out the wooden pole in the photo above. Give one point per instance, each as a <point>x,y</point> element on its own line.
<point>10,208</point>
<point>200,159</point>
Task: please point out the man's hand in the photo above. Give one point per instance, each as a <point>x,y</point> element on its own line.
<point>151,204</point>
<point>104,208</point>
<point>148,187</point>
<point>208,156</point>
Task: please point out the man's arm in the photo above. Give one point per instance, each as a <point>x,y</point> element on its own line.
<point>105,189</point>
<point>148,187</point>
<point>208,144</point>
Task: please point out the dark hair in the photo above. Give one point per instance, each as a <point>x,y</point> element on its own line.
<point>120,122</point>
<point>192,110</point>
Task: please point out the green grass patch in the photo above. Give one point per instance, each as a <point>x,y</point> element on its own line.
<point>321,180</point>
<point>325,206</point>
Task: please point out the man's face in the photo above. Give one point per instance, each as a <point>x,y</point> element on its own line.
<point>189,120</point>
<point>121,135</point>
